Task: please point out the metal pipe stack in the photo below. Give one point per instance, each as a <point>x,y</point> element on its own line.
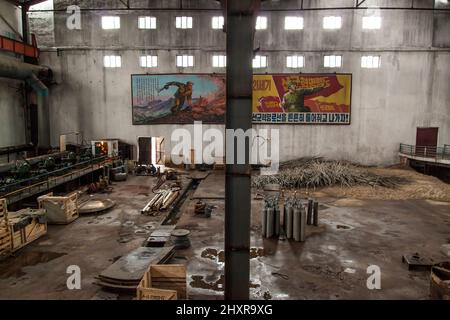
<point>271,216</point>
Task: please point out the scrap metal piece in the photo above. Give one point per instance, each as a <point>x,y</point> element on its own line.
<point>417,263</point>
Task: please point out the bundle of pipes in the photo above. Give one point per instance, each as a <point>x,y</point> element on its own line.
<point>296,215</point>
<point>161,201</point>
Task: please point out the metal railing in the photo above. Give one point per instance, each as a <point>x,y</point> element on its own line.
<point>438,153</point>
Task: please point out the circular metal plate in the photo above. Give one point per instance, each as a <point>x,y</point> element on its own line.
<point>95,206</point>
<point>180,233</point>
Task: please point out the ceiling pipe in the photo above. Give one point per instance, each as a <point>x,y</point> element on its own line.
<point>32,75</point>
<point>240,29</point>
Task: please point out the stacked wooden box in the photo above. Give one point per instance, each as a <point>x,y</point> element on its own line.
<point>5,235</point>
<point>60,210</point>
<point>163,282</point>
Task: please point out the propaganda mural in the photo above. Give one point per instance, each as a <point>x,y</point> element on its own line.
<point>302,98</point>
<point>277,98</point>
<point>178,98</point>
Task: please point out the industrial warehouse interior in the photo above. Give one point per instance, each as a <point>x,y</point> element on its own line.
<point>224,150</point>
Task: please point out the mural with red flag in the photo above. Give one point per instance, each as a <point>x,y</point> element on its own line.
<point>302,98</point>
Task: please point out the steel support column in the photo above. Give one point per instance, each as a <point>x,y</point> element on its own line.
<point>240,28</point>
<point>25,24</point>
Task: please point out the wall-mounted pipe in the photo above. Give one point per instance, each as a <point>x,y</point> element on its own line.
<point>15,69</point>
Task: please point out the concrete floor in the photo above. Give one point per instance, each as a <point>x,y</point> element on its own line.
<point>331,264</point>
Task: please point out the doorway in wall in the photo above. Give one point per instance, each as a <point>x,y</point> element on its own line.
<point>151,150</point>
<point>426,141</point>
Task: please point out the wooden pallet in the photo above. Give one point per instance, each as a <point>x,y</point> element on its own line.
<point>163,282</point>
<point>60,210</point>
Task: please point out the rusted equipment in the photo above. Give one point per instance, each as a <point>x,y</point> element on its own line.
<point>181,238</point>
<point>440,281</point>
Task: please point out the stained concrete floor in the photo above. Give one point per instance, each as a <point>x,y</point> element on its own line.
<point>331,264</point>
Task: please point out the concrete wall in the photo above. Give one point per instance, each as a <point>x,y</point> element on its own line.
<point>410,90</point>
<point>12,122</point>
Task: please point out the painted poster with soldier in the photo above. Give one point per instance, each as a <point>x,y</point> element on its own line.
<point>302,98</point>
<point>178,98</point>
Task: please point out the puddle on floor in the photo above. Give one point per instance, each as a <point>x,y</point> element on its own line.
<point>218,285</point>
<point>343,227</point>
<point>12,267</point>
<point>214,254</point>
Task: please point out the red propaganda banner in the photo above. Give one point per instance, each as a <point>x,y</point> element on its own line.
<point>303,99</point>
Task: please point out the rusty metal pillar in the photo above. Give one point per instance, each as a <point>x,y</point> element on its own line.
<point>240,29</point>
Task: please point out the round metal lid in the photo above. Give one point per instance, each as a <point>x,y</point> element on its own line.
<point>95,205</point>
<point>180,233</point>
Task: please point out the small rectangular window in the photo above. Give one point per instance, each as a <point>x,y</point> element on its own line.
<point>149,61</point>
<point>183,22</point>
<point>295,61</point>
<point>370,62</point>
<point>371,22</point>
<point>332,61</point>
<point>260,62</point>
<point>185,61</point>
<point>332,22</point>
<point>147,22</point>
<point>293,23</point>
<point>219,61</point>
<point>261,23</point>
<point>110,22</point>
<point>217,22</point>
<point>112,61</point>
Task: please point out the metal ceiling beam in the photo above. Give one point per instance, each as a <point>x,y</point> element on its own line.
<point>262,10</point>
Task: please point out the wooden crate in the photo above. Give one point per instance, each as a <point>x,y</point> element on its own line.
<point>163,282</point>
<point>5,234</point>
<point>60,210</point>
<point>5,240</point>
<point>155,294</point>
<point>24,236</point>
<point>3,210</point>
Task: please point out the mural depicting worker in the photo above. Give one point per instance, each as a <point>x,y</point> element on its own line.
<point>183,93</point>
<point>294,98</point>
